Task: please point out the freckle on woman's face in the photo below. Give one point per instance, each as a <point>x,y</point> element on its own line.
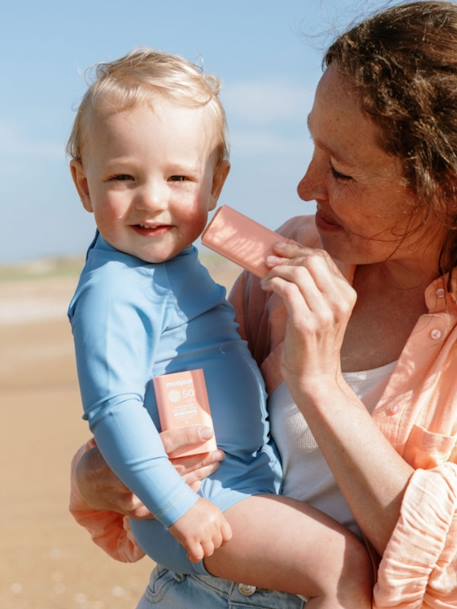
<point>364,206</point>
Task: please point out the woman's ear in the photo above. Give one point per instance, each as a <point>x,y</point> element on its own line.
<point>80,180</point>
<point>220,174</point>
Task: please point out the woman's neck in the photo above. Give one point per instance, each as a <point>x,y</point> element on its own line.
<point>390,299</point>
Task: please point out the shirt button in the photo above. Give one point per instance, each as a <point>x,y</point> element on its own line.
<point>246,589</point>
<point>440,293</point>
<point>393,409</point>
<point>436,334</point>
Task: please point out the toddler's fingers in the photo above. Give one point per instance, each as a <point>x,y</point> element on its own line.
<point>216,539</point>
<point>208,547</point>
<point>226,531</point>
<point>196,553</point>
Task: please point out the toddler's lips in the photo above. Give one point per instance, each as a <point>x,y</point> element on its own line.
<point>155,230</point>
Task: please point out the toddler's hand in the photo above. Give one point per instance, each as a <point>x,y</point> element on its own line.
<point>202,530</point>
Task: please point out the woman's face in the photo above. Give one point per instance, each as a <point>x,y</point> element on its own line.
<point>364,207</point>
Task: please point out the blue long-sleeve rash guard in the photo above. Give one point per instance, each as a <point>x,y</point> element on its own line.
<point>132,321</point>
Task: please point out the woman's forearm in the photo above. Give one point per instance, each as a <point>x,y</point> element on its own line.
<point>371,475</point>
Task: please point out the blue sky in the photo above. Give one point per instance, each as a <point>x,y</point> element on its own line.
<point>267,54</point>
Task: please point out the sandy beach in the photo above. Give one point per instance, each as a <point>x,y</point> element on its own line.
<point>48,562</point>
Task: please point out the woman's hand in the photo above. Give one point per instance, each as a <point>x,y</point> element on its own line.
<point>319,302</point>
<point>102,490</point>
<point>196,468</point>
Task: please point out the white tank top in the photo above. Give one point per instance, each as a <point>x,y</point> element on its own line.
<point>307,476</point>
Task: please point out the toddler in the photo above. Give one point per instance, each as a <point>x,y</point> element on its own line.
<point>149,160</point>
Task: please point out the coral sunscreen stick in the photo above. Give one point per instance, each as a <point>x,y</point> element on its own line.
<point>241,240</point>
<point>182,401</point>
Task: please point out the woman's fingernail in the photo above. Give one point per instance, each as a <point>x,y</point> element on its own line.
<point>206,433</point>
<point>272,260</point>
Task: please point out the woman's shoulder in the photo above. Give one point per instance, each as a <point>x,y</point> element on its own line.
<point>302,229</point>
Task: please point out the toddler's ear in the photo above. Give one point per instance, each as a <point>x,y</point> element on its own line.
<point>221,172</point>
<point>80,180</point>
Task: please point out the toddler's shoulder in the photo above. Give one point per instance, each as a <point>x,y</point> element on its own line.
<point>112,282</point>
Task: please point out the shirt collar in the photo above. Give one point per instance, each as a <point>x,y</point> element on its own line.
<point>437,296</point>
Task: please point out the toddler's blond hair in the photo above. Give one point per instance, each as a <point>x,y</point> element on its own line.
<point>139,76</point>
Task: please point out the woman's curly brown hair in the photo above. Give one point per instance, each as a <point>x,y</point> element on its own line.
<point>402,63</point>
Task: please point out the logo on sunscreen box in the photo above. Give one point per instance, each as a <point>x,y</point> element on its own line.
<point>182,401</point>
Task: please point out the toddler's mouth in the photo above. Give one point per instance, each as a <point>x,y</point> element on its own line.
<point>151,230</point>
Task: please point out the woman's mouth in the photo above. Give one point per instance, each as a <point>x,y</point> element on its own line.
<point>325,223</point>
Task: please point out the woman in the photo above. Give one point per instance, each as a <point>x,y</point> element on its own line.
<point>364,363</point>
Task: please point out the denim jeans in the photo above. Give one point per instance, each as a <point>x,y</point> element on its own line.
<point>169,590</point>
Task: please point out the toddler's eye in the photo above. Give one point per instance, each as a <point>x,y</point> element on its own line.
<point>121,177</point>
<point>178,178</point>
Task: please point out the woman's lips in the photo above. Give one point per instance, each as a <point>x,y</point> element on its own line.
<point>152,231</point>
<point>325,223</point>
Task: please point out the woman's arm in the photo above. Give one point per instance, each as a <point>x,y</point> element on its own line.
<point>369,472</point>
<point>419,565</point>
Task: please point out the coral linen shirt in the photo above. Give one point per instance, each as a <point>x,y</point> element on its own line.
<point>418,415</point>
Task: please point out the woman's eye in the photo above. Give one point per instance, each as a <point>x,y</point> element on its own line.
<point>338,175</point>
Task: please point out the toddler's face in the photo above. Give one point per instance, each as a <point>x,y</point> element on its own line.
<point>150,177</point>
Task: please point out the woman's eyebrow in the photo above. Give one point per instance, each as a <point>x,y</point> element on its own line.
<point>334,153</point>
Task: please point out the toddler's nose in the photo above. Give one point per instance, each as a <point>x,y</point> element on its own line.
<point>151,198</point>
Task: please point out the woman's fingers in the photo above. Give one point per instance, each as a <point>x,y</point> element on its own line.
<point>200,474</point>
<point>319,280</point>
<point>290,249</point>
<point>314,258</point>
<point>134,508</point>
<point>96,481</point>
<point>186,465</point>
<point>102,489</point>
<point>183,437</point>
<point>313,285</point>
<point>195,468</point>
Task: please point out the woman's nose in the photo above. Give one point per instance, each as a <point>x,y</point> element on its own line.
<point>312,185</point>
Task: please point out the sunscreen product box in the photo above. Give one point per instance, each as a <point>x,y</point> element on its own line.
<point>182,400</point>
<point>241,240</point>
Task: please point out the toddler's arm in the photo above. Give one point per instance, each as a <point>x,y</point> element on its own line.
<point>116,330</point>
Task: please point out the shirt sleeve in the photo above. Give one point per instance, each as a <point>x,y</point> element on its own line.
<point>419,566</point>
<point>115,343</point>
<point>109,530</point>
